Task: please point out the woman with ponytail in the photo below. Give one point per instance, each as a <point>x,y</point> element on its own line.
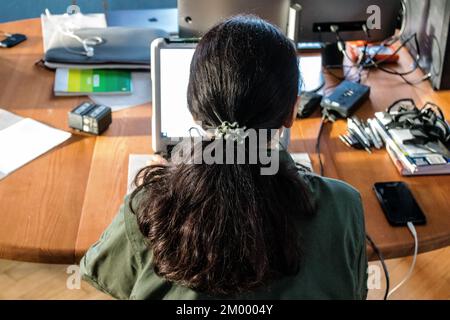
<point>196,229</point>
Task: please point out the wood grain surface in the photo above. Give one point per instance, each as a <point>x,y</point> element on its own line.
<point>56,206</point>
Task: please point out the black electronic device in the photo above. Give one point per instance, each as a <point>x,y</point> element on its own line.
<point>398,203</point>
<point>90,117</point>
<point>345,99</point>
<point>430,21</point>
<point>309,102</point>
<point>12,40</point>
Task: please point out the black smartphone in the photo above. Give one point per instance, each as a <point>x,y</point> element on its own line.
<point>398,203</point>
<point>12,40</point>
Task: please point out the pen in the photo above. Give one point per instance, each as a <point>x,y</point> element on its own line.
<point>375,132</point>
<point>361,130</point>
<point>358,138</point>
<point>342,138</point>
<point>371,136</point>
<point>350,141</point>
<point>357,131</point>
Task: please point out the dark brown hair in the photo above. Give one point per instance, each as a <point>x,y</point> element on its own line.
<point>226,229</point>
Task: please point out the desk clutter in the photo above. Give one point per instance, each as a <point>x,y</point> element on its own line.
<point>94,59</point>
<point>85,41</point>
<point>417,140</point>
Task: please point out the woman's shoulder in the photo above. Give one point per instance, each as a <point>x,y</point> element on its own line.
<point>110,264</point>
<point>332,191</point>
<point>337,202</point>
<point>331,187</point>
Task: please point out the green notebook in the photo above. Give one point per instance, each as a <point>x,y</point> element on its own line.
<point>74,82</point>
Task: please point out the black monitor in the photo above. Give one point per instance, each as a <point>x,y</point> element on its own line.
<point>317,18</point>
<point>309,20</point>
<point>325,22</point>
<point>195,17</point>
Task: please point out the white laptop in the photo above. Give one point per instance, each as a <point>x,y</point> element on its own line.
<point>170,68</point>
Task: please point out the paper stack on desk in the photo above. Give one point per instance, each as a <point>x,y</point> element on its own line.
<point>411,160</point>
<point>24,139</point>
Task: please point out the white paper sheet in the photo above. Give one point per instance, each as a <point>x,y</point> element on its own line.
<point>24,141</point>
<point>135,163</point>
<point>303,159</point>
<point>142,93</point>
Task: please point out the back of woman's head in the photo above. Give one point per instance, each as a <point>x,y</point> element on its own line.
<point>225,229</point>
<point>244,70</point>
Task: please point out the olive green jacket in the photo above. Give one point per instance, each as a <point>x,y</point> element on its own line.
<point>333,243</point>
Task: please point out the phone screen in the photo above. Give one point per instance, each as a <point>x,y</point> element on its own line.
<point>398,203</point>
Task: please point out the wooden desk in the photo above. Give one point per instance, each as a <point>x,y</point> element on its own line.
<point>55,207</point>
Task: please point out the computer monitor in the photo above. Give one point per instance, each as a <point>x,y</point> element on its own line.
<point>312,19</point>
<point>195,17</point>
<point>171,119</point>
<point>317,16</point>
<point>321,21</point>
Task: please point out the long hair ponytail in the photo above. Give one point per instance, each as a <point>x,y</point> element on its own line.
<point>225,229</point>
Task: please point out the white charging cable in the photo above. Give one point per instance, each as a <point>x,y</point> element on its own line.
<point>88,43</point>
<point>412,229</point>
<point>6,34</point>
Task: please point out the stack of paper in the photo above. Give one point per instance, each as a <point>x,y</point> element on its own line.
<point>411,160</point>
<point>24,139</point>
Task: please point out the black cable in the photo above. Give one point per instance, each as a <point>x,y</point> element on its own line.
<point>397,73</point>
<point>383,264</point>
<point>341,45</point>
<point>342,49</point>
<point>322,122</point>
<point>411,83</point>
<point>326,70</point>
<point>377,64</point>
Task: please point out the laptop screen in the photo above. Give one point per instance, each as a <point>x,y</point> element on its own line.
<point>176,120</point>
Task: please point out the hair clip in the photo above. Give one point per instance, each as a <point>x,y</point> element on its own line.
<point>231,131</point>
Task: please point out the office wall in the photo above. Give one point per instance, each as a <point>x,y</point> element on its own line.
<point>22,9</point>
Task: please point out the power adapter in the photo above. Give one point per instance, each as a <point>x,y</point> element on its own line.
<point>346,98</point>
